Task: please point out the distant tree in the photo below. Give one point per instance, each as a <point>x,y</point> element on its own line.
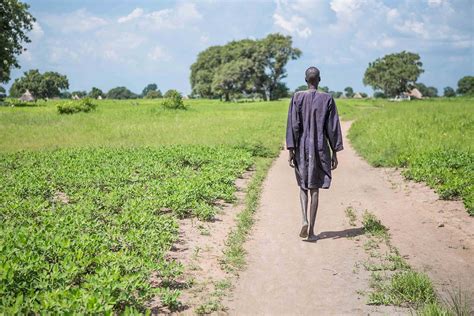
<point>153,94</point>
<point>263,62</point>
<point>349,92</point>
<point>429,92</point>
<point>393,73</point>
<point>148,88</point>
<point>2,93</point>
<point>65,95</point>
<point>323,89</point>
<point>363,94</point>
<point>173,100</point>
<point>449,92</point>
<point>80,94</point>
<point>15,22</point>
<point>379,95</point>
<point>42,86</point>
<point>466,85</point>
<point>337,94</point>
<point>302,88</point>
<point>95,93</point>
<point>120,93</point>
<point>281,91</point>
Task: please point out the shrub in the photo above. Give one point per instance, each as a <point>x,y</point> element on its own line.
<point>153,94</point>
<point>71,107</point>
<point>173,100</point>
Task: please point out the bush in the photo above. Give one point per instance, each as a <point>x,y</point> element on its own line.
<point>71,107</point>
<point>153,94</point>
<point>173,100</point>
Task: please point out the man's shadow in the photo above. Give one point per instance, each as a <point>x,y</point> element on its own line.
<point>346,233</point>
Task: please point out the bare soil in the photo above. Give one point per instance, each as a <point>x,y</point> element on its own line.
<point>287,276</point>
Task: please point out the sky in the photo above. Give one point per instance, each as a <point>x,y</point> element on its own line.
<point>129,43</point>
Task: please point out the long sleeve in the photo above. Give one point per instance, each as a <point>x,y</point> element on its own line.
<point>333,127</point>
<point>292,126</point>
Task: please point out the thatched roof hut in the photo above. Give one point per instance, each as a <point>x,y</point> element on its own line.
<point>27,97</point>
<point>357,96</point>
<point>75,97</point>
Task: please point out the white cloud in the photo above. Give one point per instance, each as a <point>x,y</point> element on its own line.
<point>436,3</point>
<point>136,13</point>
<point>36,32</point>
<point>158,54</point>
<point>294,25</point>
<point>77,21</point>
<point>413,27</point>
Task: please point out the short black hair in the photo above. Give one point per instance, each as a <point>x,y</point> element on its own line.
<point>312,74</point>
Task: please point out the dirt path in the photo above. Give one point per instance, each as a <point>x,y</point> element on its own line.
<point>286,276</point>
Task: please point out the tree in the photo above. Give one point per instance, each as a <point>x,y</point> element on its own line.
<point>323,89</point>
<point>2,93</point>
<point>120,93</point>
<point>95,93</point>
<point>466,85</point>
<point>393,73</point>
<point>429,92</point>
<point>153,94</point>
<point>148,88</point>
<point>335,94</point>
<point>263,62</point>
<point>449,92</point>
<point>301,88</point>
<point>15,22</point>
<point>42,86</point>
<point>363,94</point>
<point>231,79</point>
<point>349,92</point>
<point>379,95</point>
<point>80,94</point>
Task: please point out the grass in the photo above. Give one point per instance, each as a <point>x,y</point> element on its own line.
<point>373,226</point>
<point>432,139</point>
<point>351,215</point>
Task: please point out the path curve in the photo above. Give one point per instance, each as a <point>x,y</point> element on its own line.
<point>286,276</point>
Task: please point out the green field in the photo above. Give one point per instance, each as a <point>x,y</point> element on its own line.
<point>90,201</point>
<point>433,139</point>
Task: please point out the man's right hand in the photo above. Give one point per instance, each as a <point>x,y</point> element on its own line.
<point>291,159</point>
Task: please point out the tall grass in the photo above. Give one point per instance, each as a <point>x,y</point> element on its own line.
<point>434,139</point>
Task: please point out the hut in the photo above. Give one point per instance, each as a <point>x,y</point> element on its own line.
<point>76,97</point>
<point>415,93</point>
<point>99,97</point>
<point>27,97</point>
<point>357,96</point>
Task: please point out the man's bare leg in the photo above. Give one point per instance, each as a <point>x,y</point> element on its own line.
<point>304,212</point>
<point>313,209</point>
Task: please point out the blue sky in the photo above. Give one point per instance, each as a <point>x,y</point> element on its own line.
<point>133,43</point>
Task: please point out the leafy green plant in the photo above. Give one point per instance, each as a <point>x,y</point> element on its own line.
<point>173,100</point>
<point>373,226</point>
<point>73,106</point>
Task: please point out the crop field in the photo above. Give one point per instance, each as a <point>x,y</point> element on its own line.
<point>90,202</point>
<point>433,138</point>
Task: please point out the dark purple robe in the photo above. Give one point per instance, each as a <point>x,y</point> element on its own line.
<point>313,129</point>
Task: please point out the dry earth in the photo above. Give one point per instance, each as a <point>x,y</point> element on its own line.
<point>287,276</point>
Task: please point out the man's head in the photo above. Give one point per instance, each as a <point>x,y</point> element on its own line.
<point>312,76</point>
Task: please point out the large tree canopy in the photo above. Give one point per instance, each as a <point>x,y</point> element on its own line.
<point>244,67</point>
<point>42,86</point>
<point>394,73</point>
<point>466,85</point>
<point>15,22</point>
<point>121,93</point>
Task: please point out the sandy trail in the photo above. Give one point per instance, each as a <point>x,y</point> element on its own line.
<point>286,276</point>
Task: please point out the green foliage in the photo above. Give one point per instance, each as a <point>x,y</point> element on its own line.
<point>244,67</point>
<point>323,89</point>
<point>80,94</point>
<point>432,139</point>
<point>393,73</point>
<point>449,92</point>
<point>120,93</point>
<point>83,229</point>
<point>429,92</point>
<point>15,21</point>
<point>349,92</point>
<point>95,93</point>
<point>173,100</point>
<point>150,87</point>
<point>73,106</point>
<point>153,94</point>
<point>466,85</point>
<point>42,86</point>
<point>303,87</point>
